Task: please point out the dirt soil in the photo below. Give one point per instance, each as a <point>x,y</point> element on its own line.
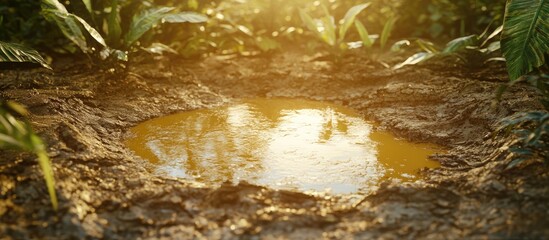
<point>107,192</point>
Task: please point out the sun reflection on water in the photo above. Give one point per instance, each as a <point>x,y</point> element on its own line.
<point>282,143</point>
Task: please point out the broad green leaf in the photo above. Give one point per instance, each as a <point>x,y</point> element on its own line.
<point>53,5</point>
<point>387,29</point>
<point>114,25</point>
<point>11,52</point>
<point>525,37</point>
<point>364,36</point>
<point>460,43</point>
<point>349,18</point>
<point>68,26</point>
<point>93,33</point>
<point>182,17</point>
<point>143,22</point>
<point>415,59</point>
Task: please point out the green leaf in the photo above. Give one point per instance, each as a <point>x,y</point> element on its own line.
<point>143,22</point>
<point>113,24</point>
<point>182,17</point>
<point>460,43</point>
<point>19,135</point>
<point>387,29</point>
<point>45,165</point>
<point>53,5</point>
<point>349,18</point>
<point>11,52</point>
<point>364,36</point>
<point>492,35</point>
<point>68,26</point>
<point>415,59</point>
<point>525,37</point>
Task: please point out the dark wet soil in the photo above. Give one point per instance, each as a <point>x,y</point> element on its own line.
<point>107,192</point>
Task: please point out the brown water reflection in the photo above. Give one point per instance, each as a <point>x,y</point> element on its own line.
<point>282,143</point>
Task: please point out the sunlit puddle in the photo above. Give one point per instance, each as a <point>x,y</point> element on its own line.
<point>281,143</point>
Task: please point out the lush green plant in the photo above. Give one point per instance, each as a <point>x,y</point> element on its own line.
<point>479,45</point>
<point>12,52</point>
<point>115,39</point>
<point>18,135</point>
<point>446,19</point>
<point>525,39</point>
<point>532,128</point>
<point>332,34</point>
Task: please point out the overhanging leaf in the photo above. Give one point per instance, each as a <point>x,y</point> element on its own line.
<point>182,17</point>
<point>143,22</point>
<point>460,43</point>
<point>415,59</point>
<point>364,36</point>
<point>387,29</point>
<point>349,18</point>
<point>11,52</point>
<point>525,37</point>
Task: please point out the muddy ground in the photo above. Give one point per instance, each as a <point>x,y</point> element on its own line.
<point>107,192</point>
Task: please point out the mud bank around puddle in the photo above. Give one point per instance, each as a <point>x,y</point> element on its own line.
<point>107,192</point>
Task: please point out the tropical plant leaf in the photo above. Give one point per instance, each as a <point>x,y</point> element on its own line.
<point>68,26</point>
<point>11,52</point>
<point>349,18</point>
<point>19,135</point>
<point>364,36</point>
<point>387,29</point>
<point>492,35</point>
<point>415,59</point>
<point>182,17</point>
<point>114,25</point>
<point>525,37</point>
<point>143,22</point>
<point>460,43</point>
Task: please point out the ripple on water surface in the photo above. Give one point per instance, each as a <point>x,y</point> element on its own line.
<point>281,143</point>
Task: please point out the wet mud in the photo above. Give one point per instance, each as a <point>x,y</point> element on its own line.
<point>106,191</point>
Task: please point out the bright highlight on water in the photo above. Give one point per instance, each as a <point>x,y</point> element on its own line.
<point>281,143</point>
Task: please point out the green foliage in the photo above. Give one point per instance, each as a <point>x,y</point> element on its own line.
<point>532,128</point>
<point>18,135</point>
<point>480,47</point>
<point>325,28</point>
<point>11,52</point>
<point>119,39</point>
<point>525,39</point>
<point>387,29</point>
<point>446,19</point>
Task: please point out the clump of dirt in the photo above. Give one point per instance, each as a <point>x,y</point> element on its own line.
<point>107,192</point>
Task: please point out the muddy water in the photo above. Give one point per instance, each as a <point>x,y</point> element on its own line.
<point>282,143</point>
